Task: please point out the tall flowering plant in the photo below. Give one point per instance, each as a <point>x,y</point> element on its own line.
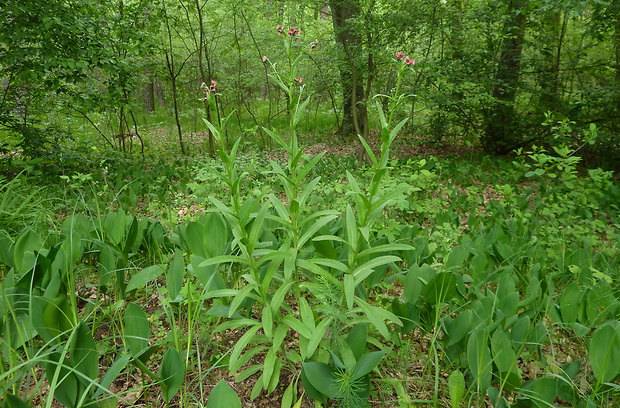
<point>395,99</point>
<point>289,80</point>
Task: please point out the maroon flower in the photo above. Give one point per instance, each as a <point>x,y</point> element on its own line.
<point>313,46</point>
<point>279,29</point>
<point>409,61</point>
<point>292,31</point>
<point>399,55</point>
<point>299,80</point>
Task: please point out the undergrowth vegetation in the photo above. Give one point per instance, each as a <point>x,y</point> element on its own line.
<point>300,281</point>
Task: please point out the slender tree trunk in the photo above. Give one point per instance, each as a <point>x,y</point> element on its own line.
<point>175,100</point>
<point>148,95</point>
<point>173,80</point>
<point>205,72</point>
<point>552,42</point>
<point>355,117</point>
<point>503,131</point>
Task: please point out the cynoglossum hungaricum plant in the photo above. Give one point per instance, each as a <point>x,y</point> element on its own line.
<point>280,267</point>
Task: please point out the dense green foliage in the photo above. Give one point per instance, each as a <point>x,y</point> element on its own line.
<point>486,71</point>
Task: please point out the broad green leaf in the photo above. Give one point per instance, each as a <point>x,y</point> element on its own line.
<point>541,392</point>
<point>114,226</point>
<point>62,380</point>
<point>322,378</point>
<point>143,277</point>
<point>137,330</point>
<point>600,300</point>
<point>83,353</point>
<point>24,251</point>
<point>107,264</point>
<point>367,363</point>
<point>175,275</point>
<point>503,353</point>
<point>456,387</point>
<point>222,396</point>
<point>357,338</point>
<point>57,318</point>
<point>457,257</point>
<point>569,302</point>
<point>441,288</point>
<point>458,327</point>
<point>479,358</point>
<point>216,232</point>
<point>604,352</point>
<point>13,401</point>
<point>172,373</point>
<point>416,280</point>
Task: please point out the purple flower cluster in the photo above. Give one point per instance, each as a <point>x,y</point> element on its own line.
<point>400,55</point>
<point>208,90</point>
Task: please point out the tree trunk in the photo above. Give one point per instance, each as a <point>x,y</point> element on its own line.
<point>503,130</point>
<point>552,41</point>
<point>148,95</point>
<point>355,117</point>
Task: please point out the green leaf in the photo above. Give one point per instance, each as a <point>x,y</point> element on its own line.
<point>112,374</point>
<point>456,387</point>
<point>242,343</point>
<point>357,339</point>
<point>569,302</point>
<point>172,373</point>
<point>604,352</point>
<point>268,366</point>
<point>176,274</point>
<point>137,330</point>
<point>317,337</point>
<point>298,326</point>
<point>13,401</point>
<point>322,378</point>
<point>479,359</point>
<point>56,318</point>
<point>145,276</point>
<point>367,363</point>
<point>222,396</point>
<point>541,392</point>
<point>441,288</point>
<point>503,353</point>
<point>362,272</point>
<point>349,290</point>
<point>24,251</point>
<point>83,353</point>
<point>457,257</point>
<point>62,380</point>
<point>458,327</point>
